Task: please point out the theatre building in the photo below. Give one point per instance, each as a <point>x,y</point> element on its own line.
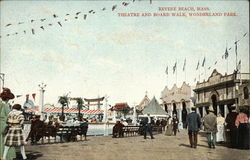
<point>222,91</point>
<point>178,101</point>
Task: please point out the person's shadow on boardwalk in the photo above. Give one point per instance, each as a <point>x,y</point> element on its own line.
<point>188,145</point>
<point>30,155</point>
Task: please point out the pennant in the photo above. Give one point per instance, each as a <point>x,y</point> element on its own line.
<point>20,22</point>
<point>245,34</point>
<point>76,17</point>
<point>198,65</point>
<point>203,63</point>
<point>32,21</point>
<point>229,48</point>
<point>50,24</point>
<point>174,67</point>
<point>85,16</point>
<point>24,32</point>
<point>209,68</point>
<point>125,3</point>
<point>8,35</point>
<point>27,97</point>
<point>43,19</point>
<point>17,96</point>
<point>166,70</point>
<point>8,25</point>
<point>67,14</point>
<point>33,31</point>
<point>104,9</point>
<point>78,13</point>
<point>65,20</point>
<point>91,11</point>
<point>226,54</point>
<point>59,24</point>
<point>55,16</point>
<point>34,96</point>
<point>215,62</point>
<point>184,66</point>
<point>42,27</point>
<point>114,7</point>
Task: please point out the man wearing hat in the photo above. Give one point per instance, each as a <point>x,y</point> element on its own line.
<point>193,123</point>
<point>210,126</point>
<point>231,128</point>
<point>5,96</point>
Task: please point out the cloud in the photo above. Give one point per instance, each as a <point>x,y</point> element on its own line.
<point>129,35</point>
<point>107,63</point>
<point>43,11</point>
<point>203,22</point>
<point>49,56</point>
<point>74,45</point>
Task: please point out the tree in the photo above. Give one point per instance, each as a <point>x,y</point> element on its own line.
<point>64,101</point>
<point>125,110</point>
<point>79,102</point>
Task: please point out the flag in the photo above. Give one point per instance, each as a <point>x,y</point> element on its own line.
<point>236,47</point>
<point>230,48</point>
<point>43,19</point>
<point>184,66</point>
<point>42,27</point>
<point>55,16</point>
<point>245,34</point>
<point>27,97</point>
<point>32,20</point>
<point>34,96</point>
<point>17,96</point>
<point>85,16</point>
<point>59,24</point>
<point>198,65</point>
<point>20,22</point>
<point>174,67</point>
<point>78,13</point>
<point>33,31</point>
<point>215,62</point>
<point>239,65</point>
<point>114,7</point>
<point>226,54</point>
<point>8,25</point>
<point>203,63</point>
<point>166,70</point>
<point>209,68</point>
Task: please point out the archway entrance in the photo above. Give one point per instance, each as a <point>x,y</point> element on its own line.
<point>174,109</point>
<point>184,114</point>
<point>214,103</point>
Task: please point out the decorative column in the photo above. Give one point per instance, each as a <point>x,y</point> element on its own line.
<point>204,111</point>
<point>225,111</point>
<point>218,109</point>
<point>41,102</point>
<point>180,125</point>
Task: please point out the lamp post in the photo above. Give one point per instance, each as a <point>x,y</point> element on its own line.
<point>106,116</point>
<point>42,90</point>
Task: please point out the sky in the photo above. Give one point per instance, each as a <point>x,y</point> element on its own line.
<point>121,57</point>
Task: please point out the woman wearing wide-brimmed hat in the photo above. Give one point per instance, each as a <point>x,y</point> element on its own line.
<point>5,96</point>
<point>15,137</point>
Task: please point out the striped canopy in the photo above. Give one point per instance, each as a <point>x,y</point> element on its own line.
<point>70,110</point>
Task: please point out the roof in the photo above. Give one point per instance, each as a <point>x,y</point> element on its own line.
<point>119,106</point>
<point>154,108</point>
<point>94,99</point>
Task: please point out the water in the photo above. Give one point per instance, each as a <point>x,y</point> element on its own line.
<point>93,130</point>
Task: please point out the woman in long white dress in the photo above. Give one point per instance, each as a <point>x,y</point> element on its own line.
<point>220,127</point>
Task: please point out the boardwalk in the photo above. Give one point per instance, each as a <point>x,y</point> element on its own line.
<point>134,148</point>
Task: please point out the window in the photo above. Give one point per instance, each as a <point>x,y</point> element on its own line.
<point>246,93</point>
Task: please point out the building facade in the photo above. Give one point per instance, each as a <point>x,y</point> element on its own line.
<point>177,101</point>
<point>221,92</point>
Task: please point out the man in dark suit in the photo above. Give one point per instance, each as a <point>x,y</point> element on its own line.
<point>193,123</point>
<point>147,126</point>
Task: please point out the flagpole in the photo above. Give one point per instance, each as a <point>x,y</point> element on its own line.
<point>176,73</point>
<point>236,52</point>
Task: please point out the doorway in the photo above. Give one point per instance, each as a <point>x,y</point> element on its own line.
<point>214,103</point>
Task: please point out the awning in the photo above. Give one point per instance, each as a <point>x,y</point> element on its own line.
<point>68,110</point>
